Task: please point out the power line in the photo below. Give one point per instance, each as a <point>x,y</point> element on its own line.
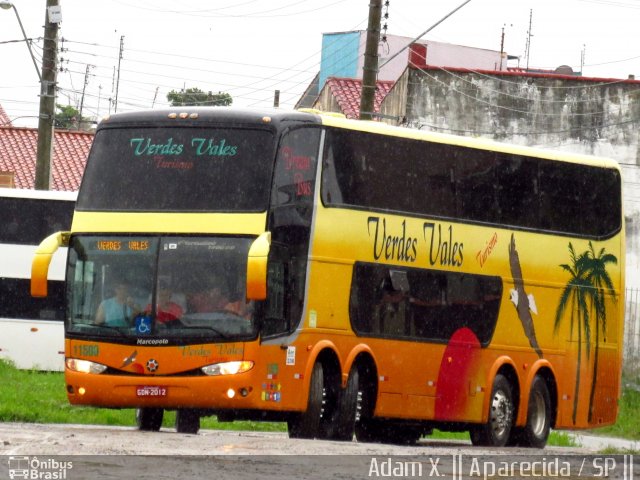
<point>256,14</point>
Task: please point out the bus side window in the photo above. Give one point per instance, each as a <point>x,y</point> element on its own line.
<point>428,305</point>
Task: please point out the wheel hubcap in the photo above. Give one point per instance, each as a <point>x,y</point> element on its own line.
<point>501,414</point>
<point>538,414</point>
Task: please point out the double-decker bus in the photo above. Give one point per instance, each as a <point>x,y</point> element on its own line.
<point>32,333</point>
<point>345,277</point>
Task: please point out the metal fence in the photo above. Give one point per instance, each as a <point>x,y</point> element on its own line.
<point>632,331</point>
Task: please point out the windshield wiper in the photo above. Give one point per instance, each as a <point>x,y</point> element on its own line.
<point>205,327</point>
<point>102,325</point>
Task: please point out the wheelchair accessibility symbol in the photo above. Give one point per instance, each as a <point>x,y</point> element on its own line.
<point>143,325</point>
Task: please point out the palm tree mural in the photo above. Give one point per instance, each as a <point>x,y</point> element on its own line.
<point>602,285</point>
<point>575,293</point>
<point>584,294</point>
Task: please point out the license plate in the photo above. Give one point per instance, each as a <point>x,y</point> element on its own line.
<point>151,391</point>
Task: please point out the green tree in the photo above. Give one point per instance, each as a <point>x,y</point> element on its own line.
<point>575,293</point>
<point>194,96</point>
<point>602,286</point>
<point>69,117</point>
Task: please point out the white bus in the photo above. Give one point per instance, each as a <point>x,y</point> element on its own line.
<point>31,329</point>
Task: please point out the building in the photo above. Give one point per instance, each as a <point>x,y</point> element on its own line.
<point>343,95</point>
<point>5,121</point>
<point>342,56</point>
<point>18,147</point>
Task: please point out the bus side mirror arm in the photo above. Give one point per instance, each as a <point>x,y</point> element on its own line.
<point>42,260</point>
<point>257,267</point>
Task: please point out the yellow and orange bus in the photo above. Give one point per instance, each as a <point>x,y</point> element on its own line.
<point>346,277</point>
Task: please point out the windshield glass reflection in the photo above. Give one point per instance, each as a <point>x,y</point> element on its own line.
<point>182,288</point>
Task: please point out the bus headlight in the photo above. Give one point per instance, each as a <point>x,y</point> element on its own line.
<point>84,366</point>
<point>227,368</point>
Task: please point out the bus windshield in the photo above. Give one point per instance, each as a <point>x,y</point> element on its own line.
<point>190,169</point>
<point>182,289</point>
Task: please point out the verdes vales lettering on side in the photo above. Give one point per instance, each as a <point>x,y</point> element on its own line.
<point>390,245</point>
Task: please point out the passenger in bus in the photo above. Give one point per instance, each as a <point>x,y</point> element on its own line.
<point>119,310</point>
<point>239,305</point>
<point>166,309</point>
<point>214,298</point>
<point>389,313</point>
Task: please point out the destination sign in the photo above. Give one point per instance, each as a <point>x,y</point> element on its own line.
<point>111,245</point>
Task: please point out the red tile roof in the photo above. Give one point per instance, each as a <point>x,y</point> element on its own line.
<point>346,91</point>
<point>18,156</point>
<point>4,118</point>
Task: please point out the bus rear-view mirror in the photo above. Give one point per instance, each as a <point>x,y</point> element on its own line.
<point>257,267</point>
<point>42,260</point>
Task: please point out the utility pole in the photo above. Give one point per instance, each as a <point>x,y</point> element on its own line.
<point>501,48</point>
<point>370,68</point>
<point>84,88</point>
<point>115,108</point>
<point>99,98</point>
<point>46,115</point>
<point>155,96</point>
<point>529,35</point>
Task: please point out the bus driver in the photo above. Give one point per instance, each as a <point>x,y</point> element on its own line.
<point>119,310</point>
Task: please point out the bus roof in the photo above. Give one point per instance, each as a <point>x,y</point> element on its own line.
<point>38,194</point>
<point>202,115</point>
<point>189,116</point>
<point>469,142</point>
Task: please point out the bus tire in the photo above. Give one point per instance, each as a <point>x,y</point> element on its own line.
<point>149,419</point>
<point>497,430</point>
<point>187,420</point>
<point>536,432</point>
<point>342,425</point>
<point>307,423</point>
<point>367,428</point>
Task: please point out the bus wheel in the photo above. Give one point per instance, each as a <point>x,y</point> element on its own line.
<point>367,428</point>
<point>307,423</point>
<point>496,431</point>
<point>187,420</point>
<point>149,419</point>
<point>342,425</point>
<point>536,431</point>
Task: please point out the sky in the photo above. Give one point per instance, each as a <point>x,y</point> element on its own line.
<point>249,48</point>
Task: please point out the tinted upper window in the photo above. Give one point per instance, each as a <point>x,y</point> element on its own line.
<point>17,301</point>
<point>28,221</point>
<point>178,169</point>
<point>382,172</point>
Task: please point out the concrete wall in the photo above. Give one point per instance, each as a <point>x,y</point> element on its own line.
<point>581,115</point>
